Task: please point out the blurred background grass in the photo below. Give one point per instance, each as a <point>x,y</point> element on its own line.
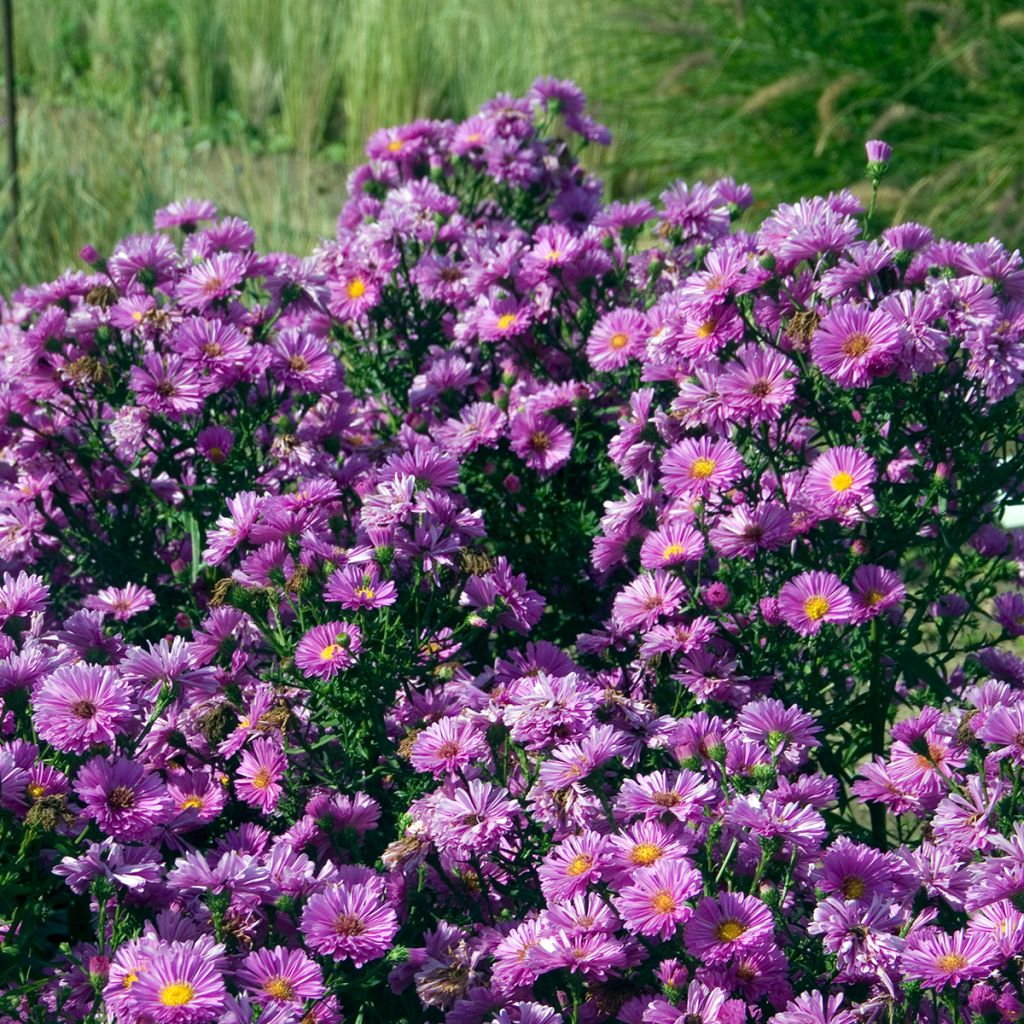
<point>262,105</point>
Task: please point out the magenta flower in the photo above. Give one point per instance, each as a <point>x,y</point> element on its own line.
<point>700,468</point>
<point>81,706</point>
<point>475,818</point>
<point>839,481</point>
<point>124,799</point>
<point>327,650</point>
<point>448,746</point>
<point>540,441</point>
<point>682,795</point>
<point>122,602</point>
<point>168,385</point>
<point>349,922</point>
<point>258,781</point>
<point>854,344</point>
<point>178,986</point>
<point>184,214</point>
<point>571,866</point>
<point>360,586</point>
<point>280,975</point>
<point>875,590</point>
<point>655,904</point>
<point>734,923</point>
<point>615,338</point>
<point>647,599</point>
<point>813,598</point>
<point>673,544</point>
<point>937,958</point>
<point>213,279</point>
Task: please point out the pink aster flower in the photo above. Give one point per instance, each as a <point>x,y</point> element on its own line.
<point>22,595</point>
<point>326,650</point>
<point>504,319</point>
<point>184,214</point>
<point>448,746</point>
<point>280,975</point>
<point>81,706</point>
<point>759,384</point>
<point>540,441</point>
<point>813,598</point>
<point>615,337</point>
<point>839,481</point>
<point>168,385</point>
<point>655,904</point>
<point>937,959</point>
<point>179,986</point>
<point>353,294</point>
<point>813,1008</point>
<point>349,922</point>
<point>571,866</point>
<point>213,279</point>
<point>697,468</point>
<point>647,599</point>
<point>1004,729</point>
<point>854,344</point>
<point>125,800</point>
<point>360,586</point>
<point>675,543</point>
<point>745,530</point>
<point>474,819</point>
<point>681,794</point>
<point>258,781</point>
<point>733,923</point>
<point>875,590</point>
<point>122,602</point>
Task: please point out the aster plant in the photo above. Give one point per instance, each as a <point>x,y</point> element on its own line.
<point>524,609</point>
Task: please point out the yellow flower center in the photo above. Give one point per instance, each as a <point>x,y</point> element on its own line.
<point>706,329</point>
<point>815,608</point>
<point>663,902</point>
<point>34,790</point>
<point>873,597</point>
<point>181,993</point>
<point>730,931</point>
<point>853,888</point>
<point>395,146</point>
<point>579,864</point>
<point>262,778</point>
<point>137,316</point>
<point>856,345</point>
<point>673,551</point>
<point>356,288</point>
<point>842,482</point>
<point>554,256</point>
<point>618,340</point>
<point>279,988</point>
<point>645,854</point>
<point>951,962</point>
<point>506,321</point>
<point>702,468</point>
<point>192,803</point>
<point>329,652</point>
<point>365,592</point>
<point>129,979</point>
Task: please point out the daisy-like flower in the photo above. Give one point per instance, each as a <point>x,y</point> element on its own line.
<point>758,384</point>
<point>1004,729</point>
<point>571,866</point>
<point>447,746</point>
<point>213,279</point>
<point>474,818</point>
<point>81,706</point>
<point>303,360</point>
<point>327,650</point>
<point>875,590</point>
<point>504,319</point>
<point>169,385</point>
<point>215,444</point>
<point>937,958</point>
<point>360,586</point>
<point>733,923</point>
<point>540,441</point>
<point>179,986</point>
<point>814,598</point>
<point>673,544</point>
<point>854,344</point>
<point>839,481</point>
<point>616,337</point>
<point>123,603</point>
<point>184,214</point>
<point>22,595</point>
<point>647,599</point>
<point>698,468</point>
<point>812,1008</point>
<point>281,975</point>
<point>353,293</point>
<point>855,872</point>
<point>258,781</point>
<point>681,794</point>
<point>124,799</point>
<point>655,904</point>
<point>349,922</point>
<point>197,797</point>
<point>745,530</point>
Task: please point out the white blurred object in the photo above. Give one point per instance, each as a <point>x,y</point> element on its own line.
<point>1013,517</point>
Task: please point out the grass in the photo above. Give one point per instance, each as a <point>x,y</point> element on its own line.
<point>264,104</point>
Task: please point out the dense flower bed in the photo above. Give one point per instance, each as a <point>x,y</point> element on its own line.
<point>523,610</point>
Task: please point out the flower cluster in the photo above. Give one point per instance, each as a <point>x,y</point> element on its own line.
<point>525,609</point>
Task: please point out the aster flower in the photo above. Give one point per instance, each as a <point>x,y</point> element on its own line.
<point>839,481</point>
<point>875,590</point>
<point>168,385</point>
<point>813,1008</point>
<point>122,602</point>
<point>22,595</point>
<point>616,337</point>
<point>700,468</point>
<point>124,799</point>
<point>447,746</point>
<point>258,781</point>
<point>647,599</point>
<point>681,794</point>
<point>184,214</point>
<point>745,530</point>
<point>673,544</point>
<point>280,975</point>
<point>540,441</point>
<point>213,279</point>
<point>349,922</point>
<point>813,598</point>
<point>938,959</point>
<point>360,586</point>
<point>327,650</point>
<point>854,344</point>
<point>81,706</point>
<point>734,923</point>
<point>474,818</point>
<point>572,866</point>
<point>655,903</point>
<point>179,986</point>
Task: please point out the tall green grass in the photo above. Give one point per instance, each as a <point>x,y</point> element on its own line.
<point>263,104</point>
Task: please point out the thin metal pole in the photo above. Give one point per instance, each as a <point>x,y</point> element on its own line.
<point>11,113</point>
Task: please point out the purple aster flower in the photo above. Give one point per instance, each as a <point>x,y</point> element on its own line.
<point>878,152</point>
<point>281,975</point>
<point>123,603</point>
<point>475,818</point>
<point>124,799</point>
<point>169,385</point>
<point>179,986</point>
<point>327,650</point>
<point>812,1008</point>
<point>854,344</point>
<point>937,959</point>
<point>258,780</point>
<point>349,922</point>
<point>81,706</point>
<point>813,598</point>
<point>616,337</point>
<point>655,904</point>
<point>839,481</point>
<point>448,746</point>
<point>697,468</point>
<point>540,441</point>
<point>215,443</point>
<point>213,279</point>
<point>184,214</point>
<point>675,543</point>
<point>733,923</point>
<point>682,794</point>
<point>875,590</point>
<point>571,866</point>
<point>21,595</point>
